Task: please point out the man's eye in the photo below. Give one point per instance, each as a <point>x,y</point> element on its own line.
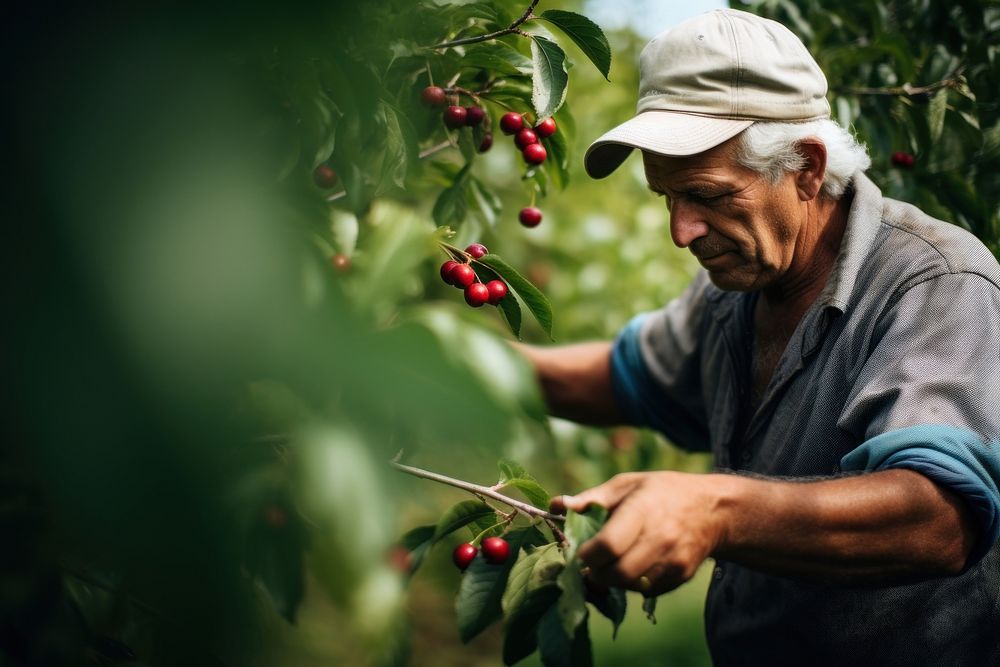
<point>706,199</point>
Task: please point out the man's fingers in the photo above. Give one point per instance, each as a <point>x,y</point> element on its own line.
<point>617,536</point>
<point>607,495</point>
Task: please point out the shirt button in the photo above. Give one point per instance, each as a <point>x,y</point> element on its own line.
<point>717,572</point>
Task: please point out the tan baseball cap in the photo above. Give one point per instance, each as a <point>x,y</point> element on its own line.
<point>708,79</point>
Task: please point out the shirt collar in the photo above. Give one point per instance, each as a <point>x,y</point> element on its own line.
<point>863,221</point>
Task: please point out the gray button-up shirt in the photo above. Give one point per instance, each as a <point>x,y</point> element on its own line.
<point>906,333</point>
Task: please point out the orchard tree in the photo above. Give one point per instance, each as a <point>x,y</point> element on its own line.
<point>227,309</point>
<point>920,82</point>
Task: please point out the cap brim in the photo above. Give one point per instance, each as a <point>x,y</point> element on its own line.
<point>661,132</point>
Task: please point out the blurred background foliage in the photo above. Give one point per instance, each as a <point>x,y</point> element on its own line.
<point>198,406</point>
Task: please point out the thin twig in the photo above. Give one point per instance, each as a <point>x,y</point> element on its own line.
<point>558,533</point>
<point>427,152</point>
<point>512,28</point>
<point>905,89</point>
<point>476,489</point>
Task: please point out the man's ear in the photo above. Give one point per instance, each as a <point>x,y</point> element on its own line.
<point>809,179</point>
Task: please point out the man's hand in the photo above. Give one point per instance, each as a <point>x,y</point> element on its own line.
<point>875,528</point>
<point>662,526</point>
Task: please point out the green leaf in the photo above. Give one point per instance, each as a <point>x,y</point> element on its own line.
<point>395,160</point>
<point>533,491</point>
<point>461,514</point>
<point>581,526</point>
<point>549,80</point>
<point>521,627</point>
<point>649,606</point>
<point>572,603</point>
<point>511,311</point>
<point>585,34</point>
<point>483,584</point>
<point>558,161</point>
<point>487,202</point>
<point>450,207</point>
<point>509,308</point>
<point>510,469</point>
<point>532,571</point>
<point>555,647</point>
<point>497,57</point>
<point>531,295</point>
<point>466,144</point>
<point>612,606</point>
<point>513,474</point>
<point>418,541</point>
<point>935,115</point>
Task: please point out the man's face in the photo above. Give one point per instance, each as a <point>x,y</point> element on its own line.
<point>742,229</point>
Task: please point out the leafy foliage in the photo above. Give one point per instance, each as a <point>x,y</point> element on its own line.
<point>919,77</point>
<point>200,403</point>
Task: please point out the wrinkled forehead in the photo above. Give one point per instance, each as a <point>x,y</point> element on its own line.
<point>715,163</point>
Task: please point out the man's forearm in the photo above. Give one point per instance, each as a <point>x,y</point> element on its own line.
<point>885,526</point>
<point>576,381</point>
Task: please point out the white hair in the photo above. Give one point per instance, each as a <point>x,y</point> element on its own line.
<point>771,149</point>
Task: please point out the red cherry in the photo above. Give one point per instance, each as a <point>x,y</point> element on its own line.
<point>433,96</point>
<point>511,122</point>
<point>474,116</point>
<point>463,555</point>
<point>454,117</point>
<point>446,270</point>
<point>486,143</point>
<point>546,128</point>
<point>530,216</point>
<point>495,550</point>
<point>341,262</point>
<point>462,276</point>
<point>324,176</point>
<point>525,138</point>
<point>477,294</point>
<point>902,159</point>
<point>477,250</point>
<point>534,154</point>
<point>497,290</point>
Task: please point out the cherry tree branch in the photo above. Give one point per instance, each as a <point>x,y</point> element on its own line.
<point>512,28</point>
<point>905,89</point>
<point>479,490</point>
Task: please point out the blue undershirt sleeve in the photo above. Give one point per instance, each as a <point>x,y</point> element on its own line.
<point>955,458</point>
<point>633,387</point>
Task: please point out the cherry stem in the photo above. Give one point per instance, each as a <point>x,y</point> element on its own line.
<point>477,489</point>
<point>474,94</point>
<point>456,253</point>
<point>512,28</point>
<point>507,519</point>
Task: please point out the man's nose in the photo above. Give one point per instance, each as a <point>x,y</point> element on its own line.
<point>685,224</point>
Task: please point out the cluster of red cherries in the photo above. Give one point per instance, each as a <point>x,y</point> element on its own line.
<point>495,551</point>
<point>455,116</point>
<point>463,276</point>
<point>527,139</point>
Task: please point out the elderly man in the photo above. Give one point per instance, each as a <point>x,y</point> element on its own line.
<point>840,352</point>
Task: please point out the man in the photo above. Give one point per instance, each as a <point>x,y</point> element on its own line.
<point>840,351</point>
